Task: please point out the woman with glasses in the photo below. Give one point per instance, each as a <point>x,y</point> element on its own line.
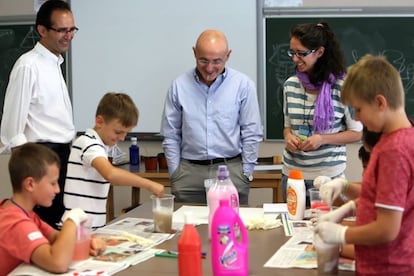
<point>316,124</point>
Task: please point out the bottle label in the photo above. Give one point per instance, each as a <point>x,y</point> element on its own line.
<point>233,201</point>
<point>229,256</point>
<point>291,200</point>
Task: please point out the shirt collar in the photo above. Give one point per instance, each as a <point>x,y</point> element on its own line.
<point>48,54</point>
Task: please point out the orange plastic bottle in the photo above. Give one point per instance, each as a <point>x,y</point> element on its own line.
<point>189,251</point>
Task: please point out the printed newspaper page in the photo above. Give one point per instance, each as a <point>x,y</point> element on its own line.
<point>299,251</point>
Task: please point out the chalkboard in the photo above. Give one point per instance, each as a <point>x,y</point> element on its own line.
<point>15,39</point>
<point>388,35</point>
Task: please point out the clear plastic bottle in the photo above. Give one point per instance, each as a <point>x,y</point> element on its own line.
<point>134,152</point>
<point>229,253</point>
<point>189,250</point>
<point>223,188</point>
<point>296,195</point>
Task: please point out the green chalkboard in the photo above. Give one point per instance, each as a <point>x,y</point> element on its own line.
<point>391,36</point>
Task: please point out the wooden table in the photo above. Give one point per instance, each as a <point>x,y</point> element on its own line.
<point>261,179</point>
<point>262,245</point>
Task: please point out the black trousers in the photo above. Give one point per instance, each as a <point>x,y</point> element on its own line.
<point>52,215</point>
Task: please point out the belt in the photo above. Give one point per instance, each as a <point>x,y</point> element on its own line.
<point>213,161</point>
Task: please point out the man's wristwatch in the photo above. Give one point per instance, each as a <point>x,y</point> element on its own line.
<point>249,176</point>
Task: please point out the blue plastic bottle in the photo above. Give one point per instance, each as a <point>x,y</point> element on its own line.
<point>134,152</point>
<point>229,254</point>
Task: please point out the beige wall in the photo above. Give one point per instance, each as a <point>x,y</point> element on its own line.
<point>16,7</point>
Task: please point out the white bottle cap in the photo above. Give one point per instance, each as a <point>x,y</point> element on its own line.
<point>188,217</point>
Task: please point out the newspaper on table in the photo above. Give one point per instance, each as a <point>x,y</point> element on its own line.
<point>299,251</point>
<point>292,227</point>
<point>83,268</point>
<point>137,230</point>
<point>128,242</point>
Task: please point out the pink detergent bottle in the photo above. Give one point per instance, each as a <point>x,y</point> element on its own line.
<point>229,254</point>
<point>223,188</point>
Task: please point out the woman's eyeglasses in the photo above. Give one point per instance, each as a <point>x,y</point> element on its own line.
<point>300,53</point>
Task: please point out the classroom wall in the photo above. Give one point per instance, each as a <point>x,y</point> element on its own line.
<point>257,197</point>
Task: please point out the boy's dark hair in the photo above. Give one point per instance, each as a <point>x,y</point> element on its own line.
<point>364,156</point>
<point>118,106</point>
<point>44,14</point>
<point>30,160</point>
<point>370,138</point>
<point>314,36</point>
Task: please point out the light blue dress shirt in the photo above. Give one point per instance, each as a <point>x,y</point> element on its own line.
<point>201,122</point>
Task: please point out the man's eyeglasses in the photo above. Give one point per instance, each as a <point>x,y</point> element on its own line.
<point>300,53</point>
<point>65,31</point>
<point>203,61</point>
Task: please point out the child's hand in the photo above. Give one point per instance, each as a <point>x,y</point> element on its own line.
<point>77,215</point>
<point>331,232</point>
<point>157,189</point>
<point>339,214</point>
<point>321,180</point>
<point>332,189</point>
<point>98,246</point>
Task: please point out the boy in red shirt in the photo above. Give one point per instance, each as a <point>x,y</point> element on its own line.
<point>34,173</point>
<point>384,230</point>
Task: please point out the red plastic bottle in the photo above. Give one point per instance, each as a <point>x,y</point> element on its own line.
<point>189,251</point>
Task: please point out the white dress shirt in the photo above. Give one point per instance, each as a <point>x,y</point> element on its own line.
<point>37,106</point>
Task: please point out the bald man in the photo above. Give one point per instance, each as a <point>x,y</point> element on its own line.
<point>211,118</point>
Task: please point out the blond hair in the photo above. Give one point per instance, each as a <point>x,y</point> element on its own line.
<point>372,76</point>
<point>118,106</point>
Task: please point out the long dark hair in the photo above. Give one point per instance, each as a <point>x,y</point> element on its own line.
<point>313,36</point>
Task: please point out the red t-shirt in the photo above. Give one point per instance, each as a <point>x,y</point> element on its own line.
<point>388,182</point>
<point>21,233</point>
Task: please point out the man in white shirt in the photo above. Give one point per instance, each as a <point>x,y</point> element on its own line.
<point>37,106</point>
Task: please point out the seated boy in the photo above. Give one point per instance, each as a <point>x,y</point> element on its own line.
<point>34,173</point>
<point>89,173</point>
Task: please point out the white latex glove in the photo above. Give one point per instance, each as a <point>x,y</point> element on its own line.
<point>77,215</point>
<point>320,180</point>
<point>332,189</point>
<point>337,215</point>
<point>331,232</point>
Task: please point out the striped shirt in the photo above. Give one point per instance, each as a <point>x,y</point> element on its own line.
<point>329,160</point>
<point>85,187</point>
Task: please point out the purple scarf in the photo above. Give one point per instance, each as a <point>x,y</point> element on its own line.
<point>323,116</point>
